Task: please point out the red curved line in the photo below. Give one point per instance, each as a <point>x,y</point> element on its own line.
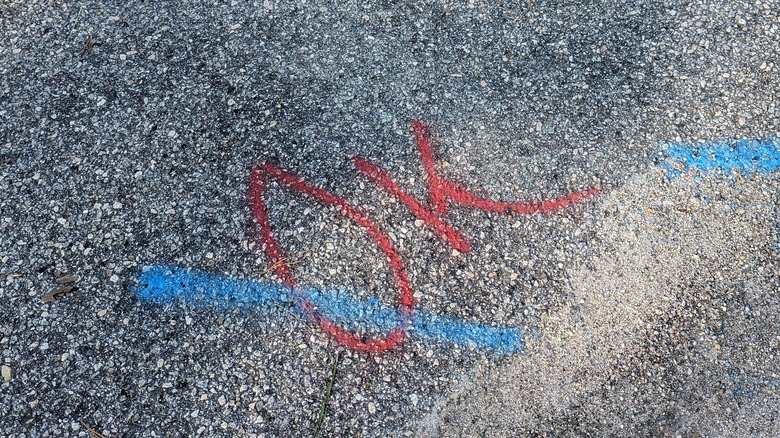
<point>376,174</point>
<point>257,188</point>
<point>442,190</point>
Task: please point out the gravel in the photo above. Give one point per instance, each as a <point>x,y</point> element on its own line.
<point>128,131</point>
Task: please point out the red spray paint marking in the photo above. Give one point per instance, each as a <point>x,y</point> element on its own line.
<point>436,185</point>
<point>257,188</point>
<point>441,190</point>
<point>383,179</point>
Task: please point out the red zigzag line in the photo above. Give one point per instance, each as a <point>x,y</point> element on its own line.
<point>440,226</point>
<point>441,191</point>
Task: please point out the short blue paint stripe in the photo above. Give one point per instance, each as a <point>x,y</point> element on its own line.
<point>164,284</point>
<point>749,156</point>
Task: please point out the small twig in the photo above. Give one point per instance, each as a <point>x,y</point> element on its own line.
<point>9,160</point>
<point>295,259</point>
<point>284,261</point>
<point>92,432</point>
<point>58,293</point>
<point>324,408</point>
<point>289,311</point>
<point>86,49</point>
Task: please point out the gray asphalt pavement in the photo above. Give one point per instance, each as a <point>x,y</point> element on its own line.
<point>129,130</point>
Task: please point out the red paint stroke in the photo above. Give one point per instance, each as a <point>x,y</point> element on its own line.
<point>442,190</point>
<point>440,226</point>
<point>436,184</point>
<point>257,188</point>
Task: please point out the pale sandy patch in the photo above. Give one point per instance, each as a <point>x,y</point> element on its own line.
<point>660,240</point>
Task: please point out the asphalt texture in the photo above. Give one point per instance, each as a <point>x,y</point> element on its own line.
<point>128,132</point>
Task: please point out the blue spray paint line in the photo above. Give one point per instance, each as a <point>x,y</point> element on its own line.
<point>340,306</point>
<point>165,284</point>
<point>749,156</point>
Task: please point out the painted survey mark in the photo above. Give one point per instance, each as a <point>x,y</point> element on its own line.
<point>758,156</point>
<point>341,317</point>
<point>748,156</point>
<point>164,284</point>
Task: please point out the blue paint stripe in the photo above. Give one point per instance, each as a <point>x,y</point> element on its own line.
<point>164,284</point>
<point>750,156</point>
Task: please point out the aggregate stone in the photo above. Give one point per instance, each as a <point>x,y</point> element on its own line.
<point>128,131</point>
